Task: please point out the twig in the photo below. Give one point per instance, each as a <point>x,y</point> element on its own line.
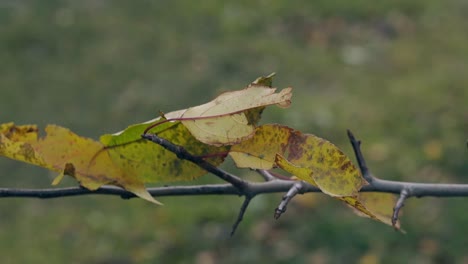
<point>240,216</point>
<point>184,154</point>
<point>266,175</point>
<point>360,158</point>
<point>298,187</point>
<point>399,204</point>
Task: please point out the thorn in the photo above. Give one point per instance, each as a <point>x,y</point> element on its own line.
<point>298,187</point>
<point>240,216</point>
<point>278,213</point>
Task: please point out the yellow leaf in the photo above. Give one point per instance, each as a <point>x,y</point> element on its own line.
<point>152,163</point>
<point>259,151</point>
<point>312,159</point>
<point>330,168</point>
<point>380,204</point>
<point>302,173</point>
<point>67,153</point>
<point>319,161</point>
<point>11,147</point>
<point>224,120</point>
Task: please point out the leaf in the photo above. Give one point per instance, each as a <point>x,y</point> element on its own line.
<point>231,117</point>
<point>309,158</point>
<point>151,162</point>
<point>12,147</point>
<point>126,160</point>
<point>380,204</point>
<point>334,182</point>
<point>67,153</point>
<point>119,160</point>
<point>259,151</point>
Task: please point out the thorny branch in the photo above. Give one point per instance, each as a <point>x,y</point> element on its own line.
<point>239,187</point>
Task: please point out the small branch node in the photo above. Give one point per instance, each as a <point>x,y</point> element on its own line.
<point>297,188</point>
<point>404,194</point>
<point>240,216</point>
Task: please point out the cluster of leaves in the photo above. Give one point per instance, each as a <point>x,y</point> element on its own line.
<point>227,125</point>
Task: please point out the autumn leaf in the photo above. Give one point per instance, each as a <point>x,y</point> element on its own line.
<point>63,151</point>
<point>231,117</point>
<point>259,151</point>
<point>309,158</point>
<point>123,159</point>
<point>380,204</point>
<point>152,163</point>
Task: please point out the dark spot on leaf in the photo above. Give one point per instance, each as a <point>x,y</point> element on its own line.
<point>69,169</point>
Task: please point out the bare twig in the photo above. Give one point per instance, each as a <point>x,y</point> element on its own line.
<point>298,187</point>
<point>399,204</point>
<point>360,158</point>
<point>266,175</point>
<point>240,216</point>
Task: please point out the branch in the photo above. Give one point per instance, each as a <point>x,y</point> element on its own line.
<point>184,154</point>
<point>360,158</point>
<point>276,186</point>
<point>410,188</point>
<point>239,187</point>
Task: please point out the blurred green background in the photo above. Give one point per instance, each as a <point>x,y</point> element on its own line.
<point>394,72</point>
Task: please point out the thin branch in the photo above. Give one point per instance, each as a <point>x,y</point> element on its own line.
<point>240,216</point>
<point>399,204</point>
<point>184,154</point>
<point>276,186</point>
<point>296,188</point>
<point>360,158</point>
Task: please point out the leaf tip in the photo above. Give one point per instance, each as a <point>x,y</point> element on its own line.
<point>58,179</point>
<point>141,192</point>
